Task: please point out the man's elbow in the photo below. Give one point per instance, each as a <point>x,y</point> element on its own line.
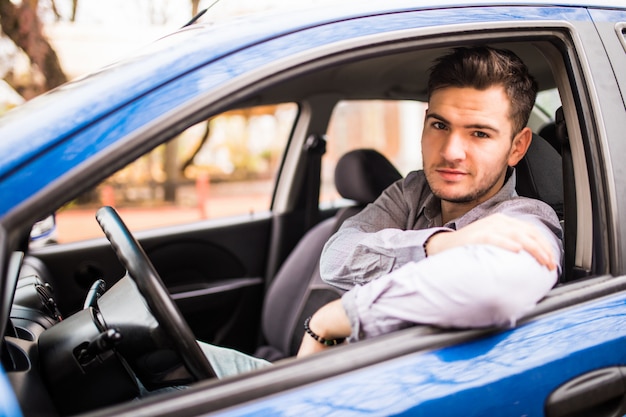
<point>326,273</point>
<point>330,275</point>
<point>505,312</point>
<point>508,301</point>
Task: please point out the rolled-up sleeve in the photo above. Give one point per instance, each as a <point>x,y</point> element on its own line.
<point>469,286</point>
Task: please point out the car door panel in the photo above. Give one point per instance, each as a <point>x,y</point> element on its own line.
<point>214,271</point>
<point>216,277</point>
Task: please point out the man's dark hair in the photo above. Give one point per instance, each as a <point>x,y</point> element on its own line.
<point>483,67</point>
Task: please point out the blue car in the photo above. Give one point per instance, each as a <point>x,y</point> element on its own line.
<point>185,194</point>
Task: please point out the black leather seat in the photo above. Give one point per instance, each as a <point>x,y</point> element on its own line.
<point>297,290</point>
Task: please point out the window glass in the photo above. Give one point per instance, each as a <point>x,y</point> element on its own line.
<point>392,127</point>
<point>548,101</point>
<point>225,166</point>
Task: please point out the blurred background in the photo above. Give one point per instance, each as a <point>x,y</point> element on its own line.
<point>44,43</point>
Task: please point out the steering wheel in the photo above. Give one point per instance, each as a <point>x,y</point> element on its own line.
<point>165,311</point>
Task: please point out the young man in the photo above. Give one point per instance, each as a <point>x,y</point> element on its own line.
<point>451,245</point>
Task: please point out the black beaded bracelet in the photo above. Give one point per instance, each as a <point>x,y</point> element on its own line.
<point>325,342</point>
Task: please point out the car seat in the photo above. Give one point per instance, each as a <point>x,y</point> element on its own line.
<point>539,174</point>
<point>297,290</point>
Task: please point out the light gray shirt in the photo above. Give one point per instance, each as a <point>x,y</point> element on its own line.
<point>378,255</point>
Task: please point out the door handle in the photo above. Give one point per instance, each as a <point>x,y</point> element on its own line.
<point>600,393</point>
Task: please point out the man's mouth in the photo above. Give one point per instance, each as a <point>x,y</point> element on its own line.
<point>449,174</point>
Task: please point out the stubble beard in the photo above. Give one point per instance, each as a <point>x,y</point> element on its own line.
<point>486,185</point>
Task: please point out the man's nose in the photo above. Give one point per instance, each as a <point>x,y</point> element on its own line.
<point>453,148</point>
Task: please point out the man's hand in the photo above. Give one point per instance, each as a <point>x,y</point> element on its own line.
<point>498,230</point>
<point>329,322</point>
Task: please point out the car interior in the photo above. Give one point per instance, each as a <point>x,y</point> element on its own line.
<point>258,302</point>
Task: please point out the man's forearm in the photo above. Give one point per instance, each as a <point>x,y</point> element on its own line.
<point>330,323</point>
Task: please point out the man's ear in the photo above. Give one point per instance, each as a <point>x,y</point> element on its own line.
<point>520,145</point>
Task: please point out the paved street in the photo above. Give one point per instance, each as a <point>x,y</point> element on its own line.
<point>79,224</point>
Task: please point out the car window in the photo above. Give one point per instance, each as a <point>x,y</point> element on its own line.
<point>392,127</point>
<point>548,101</point>
<point>222,167</point>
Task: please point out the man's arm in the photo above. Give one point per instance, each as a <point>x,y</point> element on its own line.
<point>359,253</point>
<point>505,232</point>
<point>484,274</point>
<point>330,322</point>
<point>482,285</point>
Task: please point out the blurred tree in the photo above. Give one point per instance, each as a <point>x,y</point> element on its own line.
<point>22,25</point>
<point>53,6</point>
<point>194,7</point>
<point>74,8</point>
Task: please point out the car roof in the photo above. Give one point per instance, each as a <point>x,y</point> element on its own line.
<point>355,8</point>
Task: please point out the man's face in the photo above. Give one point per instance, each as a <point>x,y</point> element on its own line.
<point>467,143</point>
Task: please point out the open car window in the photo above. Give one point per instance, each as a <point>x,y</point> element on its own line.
<point>222,167</point>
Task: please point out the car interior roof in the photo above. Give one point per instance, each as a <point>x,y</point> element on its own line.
<point>398,75</point>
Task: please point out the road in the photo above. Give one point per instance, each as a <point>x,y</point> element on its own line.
<point>79,224</point>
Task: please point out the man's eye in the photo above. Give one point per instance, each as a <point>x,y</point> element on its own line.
<point>480,134</point>
<point>439,125</point>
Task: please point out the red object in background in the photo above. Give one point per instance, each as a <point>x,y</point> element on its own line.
<point>202,193</point>
<point>107,196</point>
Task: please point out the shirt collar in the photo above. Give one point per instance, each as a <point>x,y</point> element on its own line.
<point>431,209</point>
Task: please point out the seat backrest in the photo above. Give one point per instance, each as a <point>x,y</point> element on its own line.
<point>297,290</point>
<point>540,176</point>
<point>549,133</point>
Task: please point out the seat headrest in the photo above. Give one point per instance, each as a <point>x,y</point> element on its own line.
<point>362,175</point>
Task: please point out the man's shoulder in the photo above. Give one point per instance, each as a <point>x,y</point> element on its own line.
<point>415,179</point>
<point>411,192</point>
<point>414,186</point>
